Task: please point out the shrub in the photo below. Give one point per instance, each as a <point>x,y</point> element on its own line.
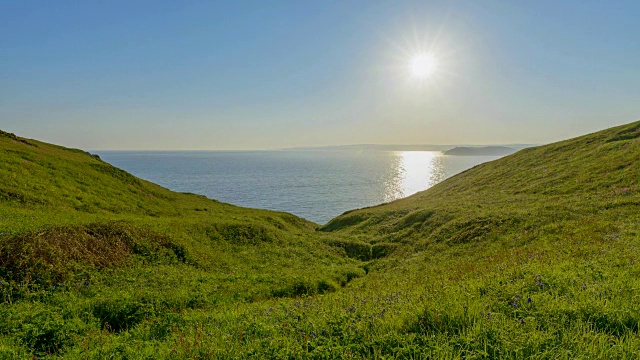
<point>354,249</point>
<point>306,287</point>
<point>53,255</point>
<point>245,234</point>
<point>120,314</point>
<point>381,250</point>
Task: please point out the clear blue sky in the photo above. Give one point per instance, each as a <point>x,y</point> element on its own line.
<point>271,74</point>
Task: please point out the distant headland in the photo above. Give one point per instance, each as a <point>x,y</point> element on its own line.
<point>480,151</point>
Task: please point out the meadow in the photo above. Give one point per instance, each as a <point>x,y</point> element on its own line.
<point>534,255</point>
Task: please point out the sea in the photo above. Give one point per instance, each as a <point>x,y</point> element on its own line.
<point>317,185</point>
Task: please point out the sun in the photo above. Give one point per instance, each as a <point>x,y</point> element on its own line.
<point>423,66</point>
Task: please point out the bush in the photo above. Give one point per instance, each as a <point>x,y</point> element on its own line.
<point>354,249</point>
<point>306,287</point>
<point>117,315</point>
<point>53,255</point>
<point>381,250</point>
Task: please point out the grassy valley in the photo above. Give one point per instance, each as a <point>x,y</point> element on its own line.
<point>534,255</point>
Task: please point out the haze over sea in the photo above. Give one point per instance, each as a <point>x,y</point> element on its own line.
<point>315,184</point>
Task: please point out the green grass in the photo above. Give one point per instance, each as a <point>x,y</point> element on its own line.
<point>534,255</point>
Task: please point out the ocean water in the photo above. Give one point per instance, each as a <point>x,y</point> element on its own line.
<point>315,184</point>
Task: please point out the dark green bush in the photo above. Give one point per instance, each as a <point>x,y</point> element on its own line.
<point>381,250</point>
<point>306,287</point>
<point>120,314</point>
<point>354,249</point>
<point>245,234</point>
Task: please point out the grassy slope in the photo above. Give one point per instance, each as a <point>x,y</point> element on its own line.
<point>593,175</point>
<point>74,227</point>
<point>532,255</point>
<point>545,240</point>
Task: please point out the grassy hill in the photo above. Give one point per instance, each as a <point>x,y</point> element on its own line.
<point>532,255</point>
<point>86,247</point>
<point>592,175</point>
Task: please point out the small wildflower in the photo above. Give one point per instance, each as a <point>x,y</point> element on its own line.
<point>515,305</point>
<point>529,300</point>
<point>522,321</point>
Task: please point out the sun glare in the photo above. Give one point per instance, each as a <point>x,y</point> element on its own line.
<point>423,60</point>
<point>423,66</point>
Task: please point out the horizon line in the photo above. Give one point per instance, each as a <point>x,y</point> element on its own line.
<point>385,147</point>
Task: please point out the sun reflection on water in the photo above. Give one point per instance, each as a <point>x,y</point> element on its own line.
<point>412,171</point>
